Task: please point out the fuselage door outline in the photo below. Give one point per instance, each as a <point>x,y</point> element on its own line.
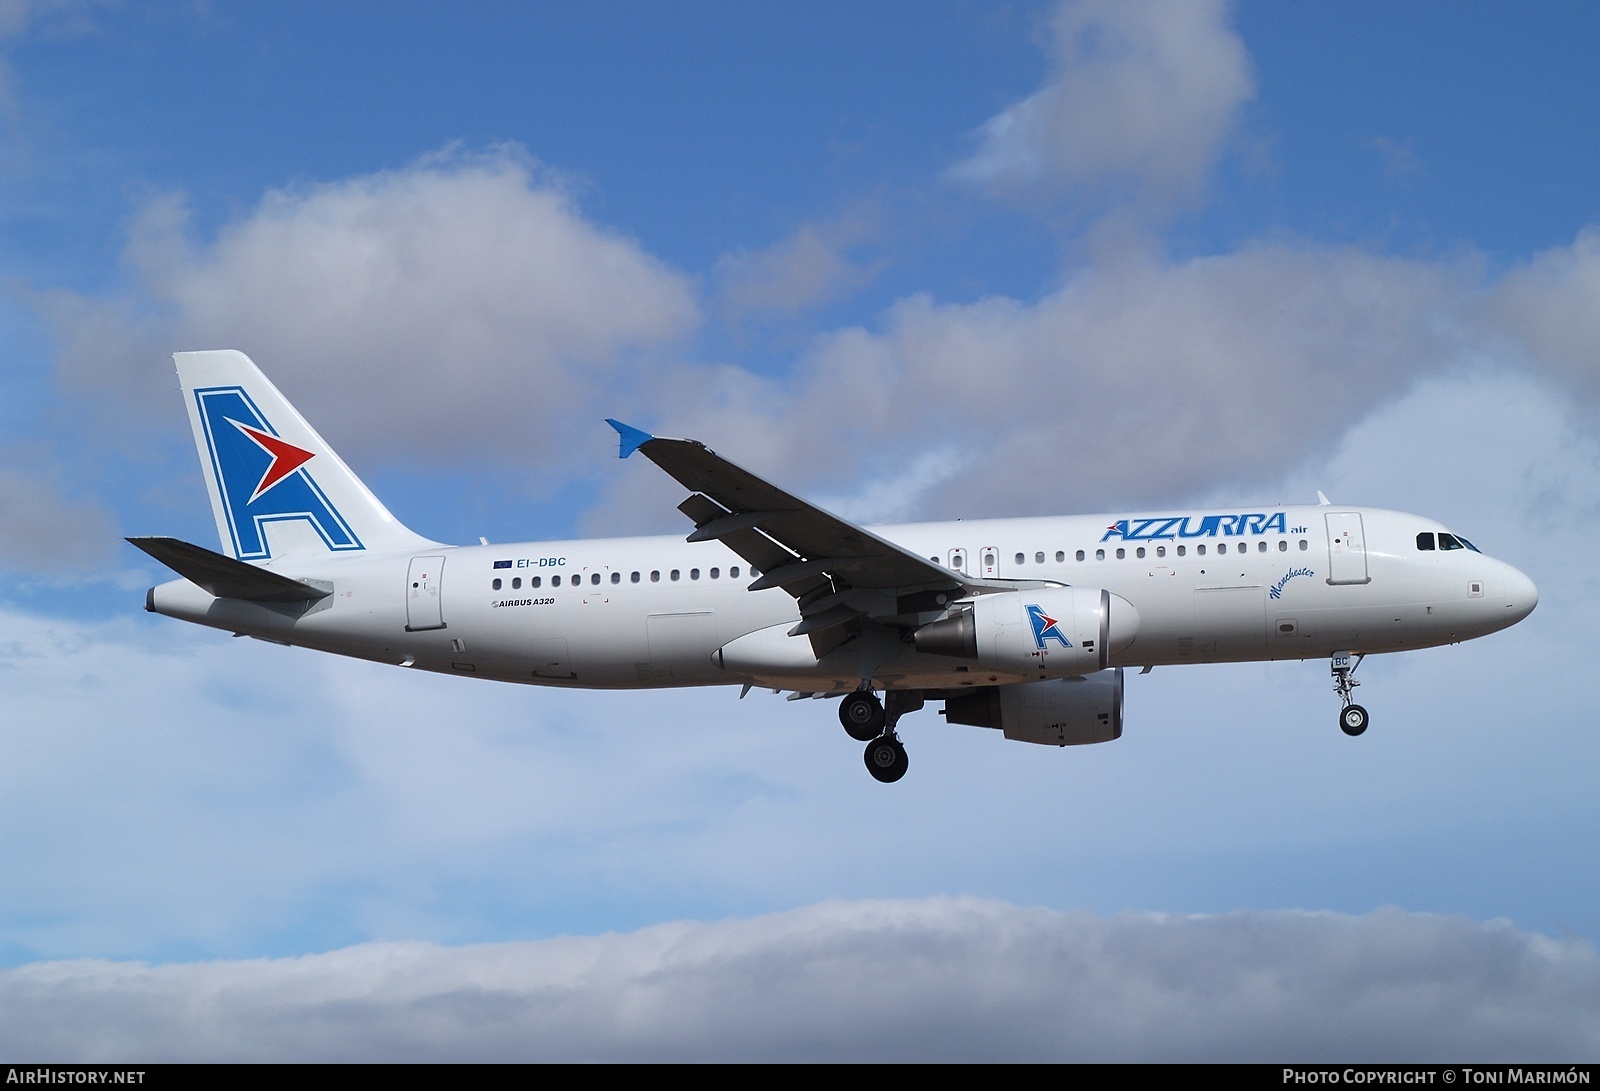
<point>424,601</point>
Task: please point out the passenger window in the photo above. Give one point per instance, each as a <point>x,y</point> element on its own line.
<point>634,577</point>
<point>754,571</point>
<point>694,573</point>
<point>655,575</point>
<point>497,584</point>
<point>1121,553</point>
<point>1222,547</point>
<point>1020,559</point>
<point>1183,551</point>
<point>616,577</point>
<point>1425,540</point>
<point>1161,551</point>
<point>1038,558</point>
<point>595,578</point>
<point>1099,554</point>
<point>516,583</point>
<point>1261,547</point>
<point>715,572</point>
<point>1139,553</point>
<point>1200,551</point>
<point>555,581</point>
<point>1080,554</point>
<point>733,573</point>
<point>1061,555</point>
<point>674,574</point>
<point>1283,547</point>
<point>534,582</point>
<point>1302,545</point>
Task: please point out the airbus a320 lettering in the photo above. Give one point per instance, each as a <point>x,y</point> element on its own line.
<point>1021,625</point>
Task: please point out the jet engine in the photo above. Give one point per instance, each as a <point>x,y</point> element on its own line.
<point>1050,632</point>
<point>1060,712</point>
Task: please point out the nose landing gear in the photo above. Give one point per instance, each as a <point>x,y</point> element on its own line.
<point>1352,717</point>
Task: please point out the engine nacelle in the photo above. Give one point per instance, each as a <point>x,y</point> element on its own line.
<point>1060,712</point>
<point>1051,632</point>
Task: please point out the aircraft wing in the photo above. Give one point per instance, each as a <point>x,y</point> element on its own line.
<point>838,572</point>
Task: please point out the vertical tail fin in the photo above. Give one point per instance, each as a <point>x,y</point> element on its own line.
<point>276,487</point>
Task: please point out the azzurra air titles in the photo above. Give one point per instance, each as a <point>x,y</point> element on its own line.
<point>1022,626</point>
<point>1168,527</point>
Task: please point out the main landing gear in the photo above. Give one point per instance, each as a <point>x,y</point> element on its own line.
<point>865,719</point>
<point>886,759</point>
<point>1352,717</point>
<point>862,715</point>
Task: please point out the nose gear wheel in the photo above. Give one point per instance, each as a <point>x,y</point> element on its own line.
<point>1352,717</point>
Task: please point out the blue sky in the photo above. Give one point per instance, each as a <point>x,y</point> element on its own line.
<point>916,261</point>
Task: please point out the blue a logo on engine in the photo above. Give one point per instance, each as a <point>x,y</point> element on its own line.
<point>1045,627</point>
<point>262,479</point>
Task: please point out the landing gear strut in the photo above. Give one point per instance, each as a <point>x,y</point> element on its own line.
<point>1352,717</point>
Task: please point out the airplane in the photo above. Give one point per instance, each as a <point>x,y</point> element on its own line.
<point>1025,626</point>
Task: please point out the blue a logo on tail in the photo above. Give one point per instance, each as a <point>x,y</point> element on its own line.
<point>263,479</point>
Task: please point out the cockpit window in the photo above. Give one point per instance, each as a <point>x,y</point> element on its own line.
<point>1450,541</point>
<point>1468,544</point>
<point>1425,540</point>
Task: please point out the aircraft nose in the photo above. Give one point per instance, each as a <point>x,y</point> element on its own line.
<point>1518,594</point>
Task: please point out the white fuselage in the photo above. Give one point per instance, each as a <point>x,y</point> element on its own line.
<point>1208,586</point>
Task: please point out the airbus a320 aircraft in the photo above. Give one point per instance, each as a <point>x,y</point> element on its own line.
<point>1021,625</point>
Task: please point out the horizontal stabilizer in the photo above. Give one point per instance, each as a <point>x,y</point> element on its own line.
<point>225,577</point>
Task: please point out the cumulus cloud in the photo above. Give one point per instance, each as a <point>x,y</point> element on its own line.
<point>1140,97</point>
<point>1549,309</point>
<point>811,266</point>
<point>44,531</point>
<point>463,305</point>
<point>941,979</point>
<point>1135,381</point>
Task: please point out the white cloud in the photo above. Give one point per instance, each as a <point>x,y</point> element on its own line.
<point>1135,382</point>
<point>941,979</point>
<point>1141,95</point>
<point>461,306</point>
<point>809,267</point>
<point>44,531</point>
<point>1549,307</point>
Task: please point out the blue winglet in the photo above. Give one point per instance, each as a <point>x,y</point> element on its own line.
<point>630,439</point>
